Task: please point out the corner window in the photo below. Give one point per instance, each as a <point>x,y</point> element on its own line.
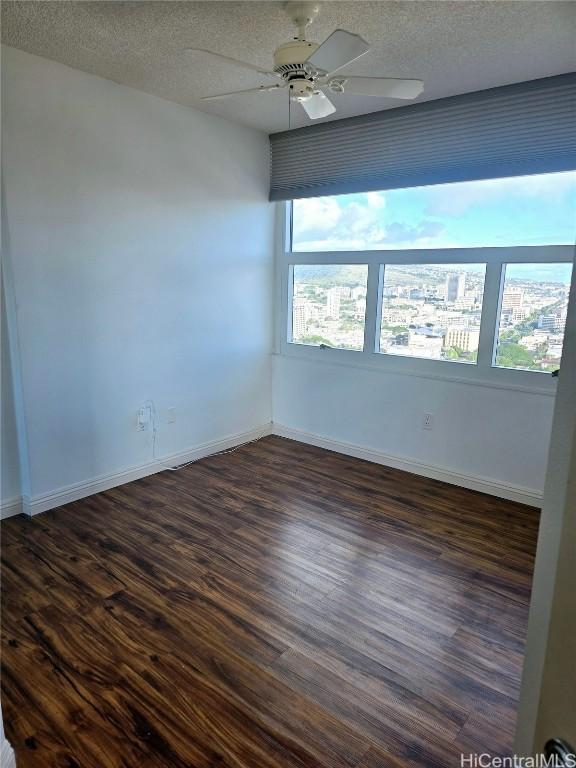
<point>476,273</point>
<point>329,305</point>
<point>432,311</point>
<point>533,306</point>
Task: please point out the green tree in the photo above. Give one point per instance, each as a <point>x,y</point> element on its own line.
<point>512,355</point>
<point>457,353</point>
<point>451,353</point>
<point>314,339</point>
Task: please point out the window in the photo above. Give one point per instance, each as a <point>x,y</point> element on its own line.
<point>533,308</point>
<point>526,210</point>
<point>329,305</point>
<point>432,311</point>
<point>475,273</point>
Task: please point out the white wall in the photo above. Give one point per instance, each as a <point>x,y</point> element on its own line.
<point>140,238</point>
<point>479,432</point>
<point>7,758</point>
<point>9,467</point>
<point>547,704</point>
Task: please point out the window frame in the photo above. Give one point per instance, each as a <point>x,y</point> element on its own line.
<point>483,372</point>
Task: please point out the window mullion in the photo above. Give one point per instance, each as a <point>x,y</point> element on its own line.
<point>370,319</point>
<point>289,294</point>
<point>489,319</point>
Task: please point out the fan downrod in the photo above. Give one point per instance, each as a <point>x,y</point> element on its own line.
<point>302,15</point>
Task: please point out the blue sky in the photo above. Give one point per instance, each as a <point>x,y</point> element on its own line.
<point>542,273</point>
<point>526,210</point>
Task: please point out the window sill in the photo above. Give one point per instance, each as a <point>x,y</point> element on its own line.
<point>500,378</point>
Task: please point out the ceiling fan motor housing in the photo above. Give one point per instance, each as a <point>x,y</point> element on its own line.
<point>290,59</point>
<point>290,63</point>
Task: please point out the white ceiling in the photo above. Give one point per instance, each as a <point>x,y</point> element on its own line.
<point>455,47</point>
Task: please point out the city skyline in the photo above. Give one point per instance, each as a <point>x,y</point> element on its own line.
<point>434,311</point>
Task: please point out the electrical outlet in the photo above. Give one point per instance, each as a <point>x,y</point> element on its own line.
<point>171,414</point>
<point>427,421</point>
<point>144,418</point>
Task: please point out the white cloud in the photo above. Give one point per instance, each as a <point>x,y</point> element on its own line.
<point>376,199</point>
<point>351,225</point>
<point>331,224</point>
<point>456,199</point>
<point>316,214</point>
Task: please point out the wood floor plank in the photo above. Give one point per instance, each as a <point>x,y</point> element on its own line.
<point>279,606</point>
<point>392,727</point>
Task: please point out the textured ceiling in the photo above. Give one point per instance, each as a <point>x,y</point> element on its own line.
<point>454,47</point>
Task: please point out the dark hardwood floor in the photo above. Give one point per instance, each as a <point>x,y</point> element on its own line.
<point>280,605</point>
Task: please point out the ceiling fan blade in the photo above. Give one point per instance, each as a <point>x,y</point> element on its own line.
<point>388,87</point>
<point>260,89</point>
<point>318,105</point>
<point>336,51</point>
<point>235,62</point>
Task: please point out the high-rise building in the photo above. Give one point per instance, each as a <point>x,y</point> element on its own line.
<point>360,310</point>
<point>300,316</point>
<point>333,303</point>
<point>512,299</point>
<point>551,323</point>
<point>466,339</point>
<point>455,287</point>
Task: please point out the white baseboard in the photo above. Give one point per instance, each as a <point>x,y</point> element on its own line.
<point>70,493</point>
<point>7,757</point>
<point>10,507</point>
<point>523,495</point>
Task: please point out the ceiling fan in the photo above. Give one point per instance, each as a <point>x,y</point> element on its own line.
<point>309,69</point>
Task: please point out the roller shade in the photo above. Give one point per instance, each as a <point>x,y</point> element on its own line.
<point>513,130</point>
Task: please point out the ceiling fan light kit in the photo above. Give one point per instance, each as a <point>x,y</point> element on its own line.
<point>306,68</point>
